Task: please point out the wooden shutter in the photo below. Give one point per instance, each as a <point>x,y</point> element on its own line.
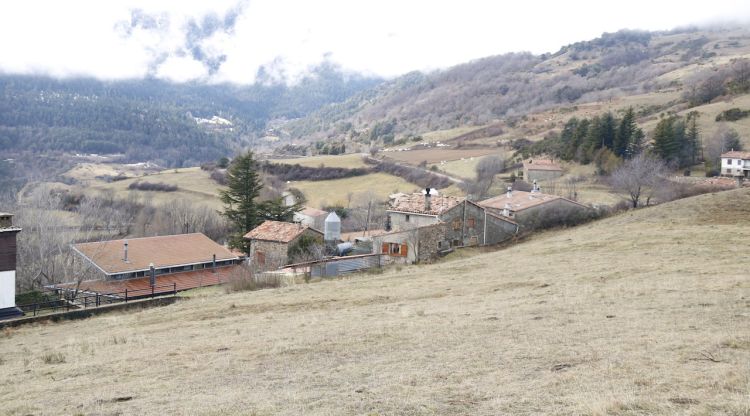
<point>404,250</point>
<point>260,257</point>
<point>385,248</point>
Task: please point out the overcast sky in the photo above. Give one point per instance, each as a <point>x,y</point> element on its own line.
<point>228,40</point>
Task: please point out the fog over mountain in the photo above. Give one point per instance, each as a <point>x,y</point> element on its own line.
<point>235,41</point>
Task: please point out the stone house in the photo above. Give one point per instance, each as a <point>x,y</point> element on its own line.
<point>540,169</point>
<point>462,223</point>
<point>416,245</point>
<point>270,242</point>
<point>521,206</point>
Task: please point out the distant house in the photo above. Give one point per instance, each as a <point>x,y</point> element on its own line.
<point>520,205</point>
<point>270,241</point>
<point>184,260</point>
<point>541,169</point>
<point>8,250</point>
<point>311,217</point>
<point>423,224</point>
<point>735,164</point>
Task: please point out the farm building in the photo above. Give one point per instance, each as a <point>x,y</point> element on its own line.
<point>311,217</point>
<point>183,261</point>
<point>8,250</point>
<point>427,224</point>
<point>521,205</point>
<point>541,169</point>
<point>735,164</point>
<point>270,242</point>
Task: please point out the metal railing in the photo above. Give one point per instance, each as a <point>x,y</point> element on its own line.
<point>72,300</point>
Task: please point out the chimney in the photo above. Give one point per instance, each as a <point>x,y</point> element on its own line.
<point>510,192</point>
<point>152,274</point>
<point>506,210</point>
<point>536,187</point>
<point>125,255</point>
<point>213,264</point>
<point>427,199</point>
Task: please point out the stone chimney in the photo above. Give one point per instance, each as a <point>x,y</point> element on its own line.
<point>510,192</point>
<point>427,199</point>
<point>6,220</point>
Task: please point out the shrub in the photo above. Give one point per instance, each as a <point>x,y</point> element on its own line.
<point>298,172</point>
<point>414,175</point>
<point>152,186</point>
<point>244,279</point>
<point>53,358</point>
<point>733,114</point>
<point>219,176</point>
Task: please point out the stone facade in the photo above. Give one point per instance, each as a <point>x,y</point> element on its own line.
<point>421,244</point>
<point>268,255</point>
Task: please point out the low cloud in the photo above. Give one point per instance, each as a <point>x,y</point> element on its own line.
<point>271,41</point>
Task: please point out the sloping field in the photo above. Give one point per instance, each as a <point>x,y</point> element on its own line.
<point>353,160</point>
<point>334,192</point>
<point>643,313</point>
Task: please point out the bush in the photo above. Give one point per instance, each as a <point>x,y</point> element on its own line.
<point>152,186</point>
<point>53,358</point>
<point>219,176</point>
<point>298,172</point>
<point>244,279</point>
<point>733,114</point>
<point>414,175</point>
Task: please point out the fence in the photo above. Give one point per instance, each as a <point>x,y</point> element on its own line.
<point>83,300</point>
<point>341,265</point>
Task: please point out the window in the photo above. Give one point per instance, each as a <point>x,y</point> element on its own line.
<point>456,243</point>
<point>407,218</point>
<point>729,162</point>
<point>457,224</point>
<point>470,223</point>
<point>729,171</point>
<point>395,249</point>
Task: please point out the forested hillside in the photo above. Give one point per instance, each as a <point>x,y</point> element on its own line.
<point>690,66</point>
<point>152,119</point>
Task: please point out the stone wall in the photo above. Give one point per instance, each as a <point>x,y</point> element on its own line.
<point>267,255</point>
<point>407,221</point>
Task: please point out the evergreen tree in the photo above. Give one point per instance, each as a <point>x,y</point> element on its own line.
<point>693,145</point>
<point>666,145</point>
<point>608,131</point>
<point>240,207</point>
<point>626,132</point>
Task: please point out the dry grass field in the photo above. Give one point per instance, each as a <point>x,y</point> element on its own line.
<point>334,192</point>
<point>436,154</point>
<point>338,161</point>
<point>644,313</point>
<point>193,184</point>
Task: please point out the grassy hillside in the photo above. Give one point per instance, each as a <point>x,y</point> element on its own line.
<point>524,95</point>
<point>643,313</point>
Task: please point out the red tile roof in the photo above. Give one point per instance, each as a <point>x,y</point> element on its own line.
<point>164,283</point>
<point>736,154</point>
<point>541,164</point>
<point>282,232</point>
<point>163,251</point>
<point>416,203</point>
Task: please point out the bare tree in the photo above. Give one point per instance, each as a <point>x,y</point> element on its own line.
<point>639,178</point>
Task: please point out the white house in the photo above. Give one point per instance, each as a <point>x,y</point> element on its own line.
<point>8,233</point>
<point>735,163</point>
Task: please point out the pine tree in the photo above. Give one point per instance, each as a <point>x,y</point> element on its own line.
<point>608,131</point>
<point>240,207</point>
<point>693,143</point>
<point>666,144</point>
<point>626,132</point>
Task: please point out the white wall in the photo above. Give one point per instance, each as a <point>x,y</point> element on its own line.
<point>7,289</point>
